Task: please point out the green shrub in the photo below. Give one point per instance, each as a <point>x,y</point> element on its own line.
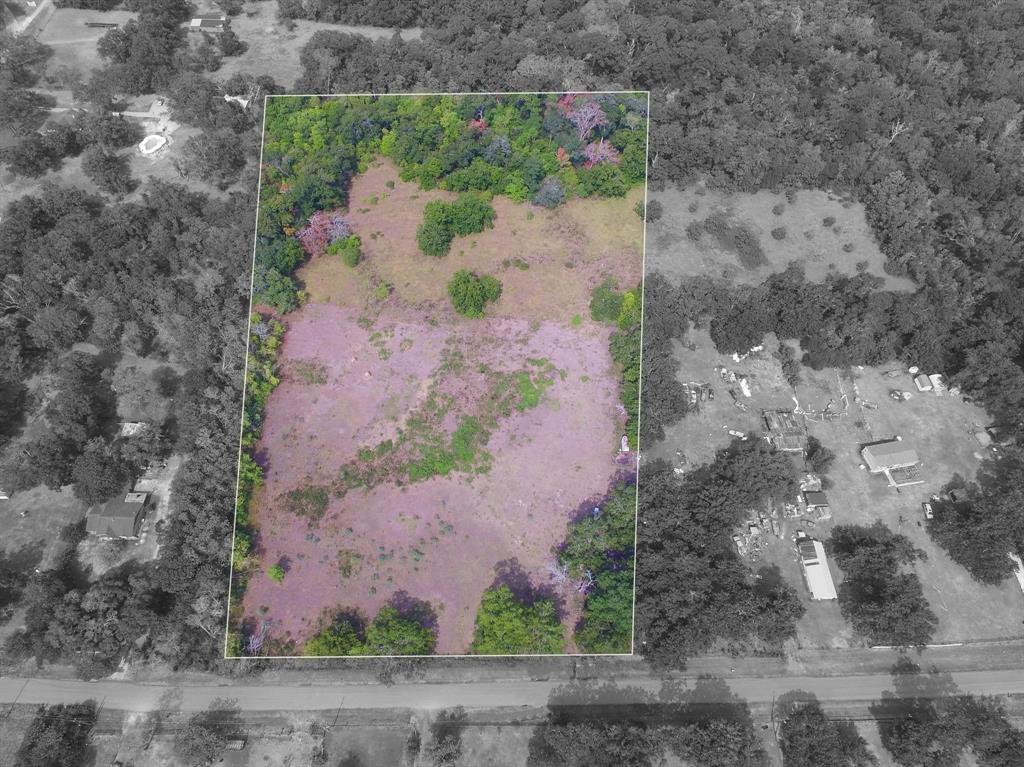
<point>605,303</point>
<point>275,573</point>
<point>310,502</point>
<point>350,249</point>
<point>390,633</point>
<point>471,293</point>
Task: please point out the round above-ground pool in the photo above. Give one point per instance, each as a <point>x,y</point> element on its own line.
<point>151,143</point>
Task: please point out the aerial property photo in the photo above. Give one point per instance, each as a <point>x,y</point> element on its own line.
<point>439,439</point>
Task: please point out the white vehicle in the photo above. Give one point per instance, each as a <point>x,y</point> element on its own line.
<point>928,513</point>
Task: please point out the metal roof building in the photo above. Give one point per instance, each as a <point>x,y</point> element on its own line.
<point>815,567</point>
<point>893,454</point>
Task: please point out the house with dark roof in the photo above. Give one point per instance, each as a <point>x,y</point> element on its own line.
<point>119,518</point>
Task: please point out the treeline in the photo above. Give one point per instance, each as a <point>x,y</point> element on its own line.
<point>598,554</point>
<point>707,725</point>
<point>693,590</point>
<point>523,147</point>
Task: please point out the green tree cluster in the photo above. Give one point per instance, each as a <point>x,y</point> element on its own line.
<point>443,221</point>
<point>470,293</point>
<point>395,630</point>
<point>882,603</point>
<point>598,550</point>
<point>505,625</point>
<point>685,537</point>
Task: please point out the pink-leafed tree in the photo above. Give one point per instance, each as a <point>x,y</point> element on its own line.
<point>597,152</point>
<point>584,115</point>
<point>324,227</point>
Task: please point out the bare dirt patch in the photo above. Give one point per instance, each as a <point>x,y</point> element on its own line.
<point>438,539</point>
<point>823,232</point>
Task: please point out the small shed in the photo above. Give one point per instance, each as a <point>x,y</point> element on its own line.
<point>118,518</point>
<point>923,382</point>
<point>785,430</point>
<point>208,22</point>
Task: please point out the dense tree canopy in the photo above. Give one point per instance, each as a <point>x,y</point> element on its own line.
<point>685,536</point>
<point>884,604</point>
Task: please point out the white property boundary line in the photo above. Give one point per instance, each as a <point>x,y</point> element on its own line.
<point>248,336</point>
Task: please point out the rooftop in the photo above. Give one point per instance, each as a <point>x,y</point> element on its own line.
<point>889,455</point>
<point>816,572</point>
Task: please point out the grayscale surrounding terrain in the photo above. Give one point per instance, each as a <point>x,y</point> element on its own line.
<point>831,403</point>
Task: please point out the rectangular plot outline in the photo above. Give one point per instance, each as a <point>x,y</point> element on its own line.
<point>245,375</point>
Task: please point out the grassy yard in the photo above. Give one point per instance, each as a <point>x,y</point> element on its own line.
<point>939,428</point>
<point>274,46</point>
<point>820,230</point>
<point>547,261</point>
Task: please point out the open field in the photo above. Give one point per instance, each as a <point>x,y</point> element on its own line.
<point>548,261</point>
<point>73,43</point>
<point>377,383</point>
<point>836,248</point>
<point>409,536</point>
<point>939,428</point>
<point>274,46</point>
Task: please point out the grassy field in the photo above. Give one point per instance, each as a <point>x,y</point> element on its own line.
<point>939,428</point>
<point>822,231</point>
<point>382,375</point>
<point>547,261</point>
<point>274,46</point>
<point>73,43</point>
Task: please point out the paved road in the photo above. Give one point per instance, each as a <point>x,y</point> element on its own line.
<point>271,696</point>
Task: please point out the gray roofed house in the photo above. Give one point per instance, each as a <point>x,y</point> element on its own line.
<point>893,454</point>
<point>119,518</point>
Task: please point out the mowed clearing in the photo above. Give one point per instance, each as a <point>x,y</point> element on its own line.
<point>823,232</point>
<point>938,428</point>
<point>548,261</point>
<point>367,373</point>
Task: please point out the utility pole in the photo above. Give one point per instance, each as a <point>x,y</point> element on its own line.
<point>337,714</point>
<point>15,703</point>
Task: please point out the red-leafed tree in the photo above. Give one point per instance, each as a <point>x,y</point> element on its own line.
<point>324,227</point>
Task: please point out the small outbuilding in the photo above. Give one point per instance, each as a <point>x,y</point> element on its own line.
<point>923,382</point>
<point>118,518</point>
<point>208,22</point>
<point>816,572</point>
<point>785,430</point>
